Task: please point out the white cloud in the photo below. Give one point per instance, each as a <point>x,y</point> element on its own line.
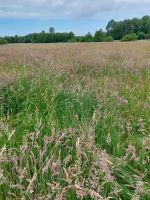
<point>56,9</point>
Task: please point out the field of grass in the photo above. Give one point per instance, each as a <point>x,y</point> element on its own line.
<point>75,121</point>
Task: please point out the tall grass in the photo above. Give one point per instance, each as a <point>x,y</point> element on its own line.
<point>81,133</point>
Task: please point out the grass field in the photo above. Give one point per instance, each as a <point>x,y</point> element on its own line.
<point>75,121</point>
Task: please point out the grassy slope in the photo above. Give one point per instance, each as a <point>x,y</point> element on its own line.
<point>82,135</point>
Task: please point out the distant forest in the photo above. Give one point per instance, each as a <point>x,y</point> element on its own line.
<point>126,30</point>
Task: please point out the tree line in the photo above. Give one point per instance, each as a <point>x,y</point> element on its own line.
<point>126,30</point>
<point>140,27</point>
<point>56,37</point>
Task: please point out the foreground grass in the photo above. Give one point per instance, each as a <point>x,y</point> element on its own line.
<point>82,136</point>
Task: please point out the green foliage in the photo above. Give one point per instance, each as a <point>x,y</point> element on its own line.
<point>109,39</point>
<point>71,109</point>
<point>129,37</point>
<point>3,41</point>
<point>88,37</point>
<point>110,26</point>
<point>51,30</point>
<point>118,29</point>
<point>141,36</point>
<point>74,39</point>
<point>99,36</point>
<point>42,37</point>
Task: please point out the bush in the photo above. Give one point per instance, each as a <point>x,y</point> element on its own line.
<point>72,39</point>
<point>129,37</point>
<point>2,41</point>
<point>109,39</point>
<point>141,36</point>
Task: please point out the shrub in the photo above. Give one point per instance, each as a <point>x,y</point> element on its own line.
<point>141,36</point>
<point>129,37</point>
<point>72,39</point>
<point>109,39</point>
<point>2,41</point>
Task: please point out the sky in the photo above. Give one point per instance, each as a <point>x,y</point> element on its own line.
<point>80,16</point>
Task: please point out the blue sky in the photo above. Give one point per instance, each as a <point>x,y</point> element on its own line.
<point>25,26</point>
<point>80,16</point>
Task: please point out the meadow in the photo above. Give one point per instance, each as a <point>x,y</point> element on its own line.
<point>75,121</point>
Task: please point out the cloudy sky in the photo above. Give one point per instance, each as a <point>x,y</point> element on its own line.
<point>24,16</point>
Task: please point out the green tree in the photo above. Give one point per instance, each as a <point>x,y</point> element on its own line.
<point>128,26</point>
<point>71,36</point>
<point>51,30</point>
<point>88,37</point>
<point>110,26</point>
<point>99,36</point>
